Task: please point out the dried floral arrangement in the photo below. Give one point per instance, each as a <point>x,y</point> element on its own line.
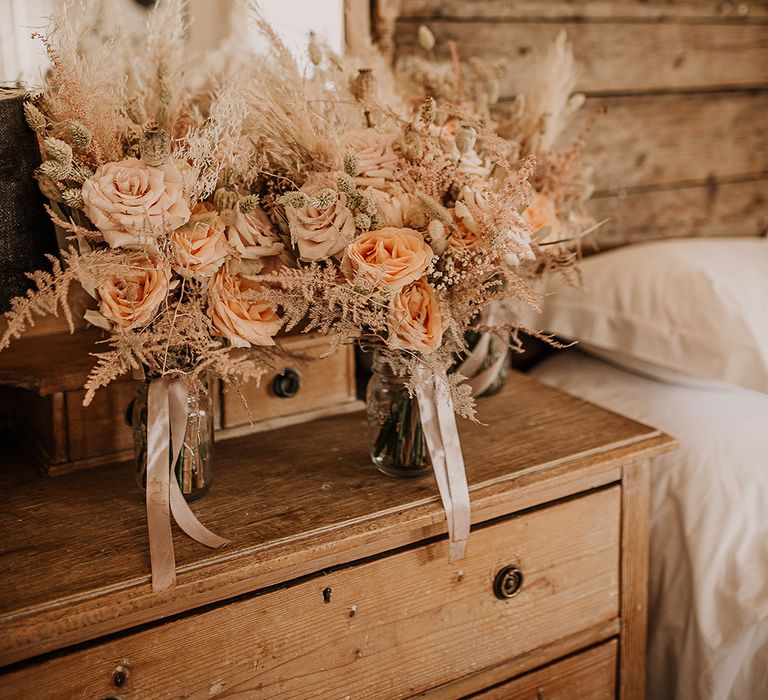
<point>402,220</point>
<point>136,166</point>
<point>136,175</point>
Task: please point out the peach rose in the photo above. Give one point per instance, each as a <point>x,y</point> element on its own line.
<point>321,233</point>
<point>238,314</point>
<point>133,203</point>
<point>391,257</point>
<point>200,247</point>
<point>130,300</point>
<point>377,161</point>
<point>252,235</point>
<point>415,321</point>
<point>392,208</point>
<point>542,212</point>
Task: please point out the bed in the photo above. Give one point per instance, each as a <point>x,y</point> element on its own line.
<point>708,616</point>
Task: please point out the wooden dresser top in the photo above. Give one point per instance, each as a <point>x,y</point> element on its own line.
<point>74,558</point>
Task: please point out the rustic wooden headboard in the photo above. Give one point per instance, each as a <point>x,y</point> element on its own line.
<point>682,149</point>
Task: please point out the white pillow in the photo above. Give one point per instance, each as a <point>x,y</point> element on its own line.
<point>695,306</point>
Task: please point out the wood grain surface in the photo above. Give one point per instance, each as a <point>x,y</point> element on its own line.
<point>293,502</point>
<point>614,57</point>
<point>384,629</point>
<point>590,675</point>
<point>626,10</point>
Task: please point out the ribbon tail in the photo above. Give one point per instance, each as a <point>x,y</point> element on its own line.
<point>456,471</point>
<point>161,554</point>
<point>182,513</point>
<point>447,462</point>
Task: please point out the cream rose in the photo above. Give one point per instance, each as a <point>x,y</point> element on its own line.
<point>415,321</point>
<point>252,235</point>
<point>390,257</point>
<point>321,233</point>
<point>200,247</point>
<point>377,161</point>
<point>133,203</point>
<point>238,313</point>
<point>393,209</point>
<point>131,299</point>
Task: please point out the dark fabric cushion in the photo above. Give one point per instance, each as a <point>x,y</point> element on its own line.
<point>26,231</point>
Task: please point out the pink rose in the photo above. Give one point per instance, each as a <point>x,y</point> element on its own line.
<point>377,162</point>
<point>200,247</point>
<point>133,203</point>
<point>415,321</point>
<point>390,257</point>
<point>321,233</point>
<point>238,313</point>
<point>130,299</point>
<point>542,212</point>
<point>252,235</point>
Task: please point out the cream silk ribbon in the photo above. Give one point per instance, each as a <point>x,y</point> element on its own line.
<point>478,380</point>
<point>439,422</point>
<point>166,427</point>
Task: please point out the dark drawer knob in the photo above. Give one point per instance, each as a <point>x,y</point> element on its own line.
<point>508,582</point>
<point>287,384</point>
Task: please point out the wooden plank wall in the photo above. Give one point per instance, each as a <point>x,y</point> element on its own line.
<point>682,149</point>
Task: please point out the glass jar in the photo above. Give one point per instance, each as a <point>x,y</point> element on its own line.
<point>194,466</point>
<point>396,437</point>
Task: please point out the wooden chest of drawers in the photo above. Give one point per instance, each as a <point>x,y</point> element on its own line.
<point>337,583</point>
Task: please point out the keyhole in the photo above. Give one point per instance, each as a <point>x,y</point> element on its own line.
<point>327,595</point>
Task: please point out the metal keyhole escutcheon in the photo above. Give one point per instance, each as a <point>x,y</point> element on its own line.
<point>508,582</point>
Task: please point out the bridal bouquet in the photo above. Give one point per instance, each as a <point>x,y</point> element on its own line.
<point>402,221</point>
<point>137,180</point>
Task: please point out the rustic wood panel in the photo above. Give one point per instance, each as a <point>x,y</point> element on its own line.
<point>397,625</point>
<point>615,57</point>
<point>666,139</point>
<point>724,209</point>
<point>625,10</point>
<point>590,675</point>
<point>635,507</point>
<point>86,577</point>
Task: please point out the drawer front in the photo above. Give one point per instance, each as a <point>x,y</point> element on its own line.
<point>386,628</point>
<point>590,675</point>
<point>322,383</point>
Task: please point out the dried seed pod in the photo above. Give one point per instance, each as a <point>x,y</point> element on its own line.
<point>324,198</point>
<point>466,136</point>
<point>73,198</point>
<point>248,203</point>
<point>351,163</point>
<point>155,145</point>
<point>362,222</point>
<point>35,118</point>
<point>80,173</point>
<point>363,85</point>
<point>225,198</point>
<point>59,151</point>
<point>438,241</point>
<point>81,137</point>
<point>345,182</point>
<point>295,199</point>
<point>426,38</point>
<point>313,50</point>
<point>48,186</point>
<point>413,144</point>
<point>136,111</point>
<point>55,170</point>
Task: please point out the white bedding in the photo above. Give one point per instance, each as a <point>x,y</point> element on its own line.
<point>708,619</point>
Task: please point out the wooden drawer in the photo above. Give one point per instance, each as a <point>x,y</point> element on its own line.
<point>324,385</point>
<point>590,675</point>
<point>386,628</point>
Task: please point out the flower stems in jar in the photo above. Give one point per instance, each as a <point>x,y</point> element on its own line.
<point>400,441</point>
